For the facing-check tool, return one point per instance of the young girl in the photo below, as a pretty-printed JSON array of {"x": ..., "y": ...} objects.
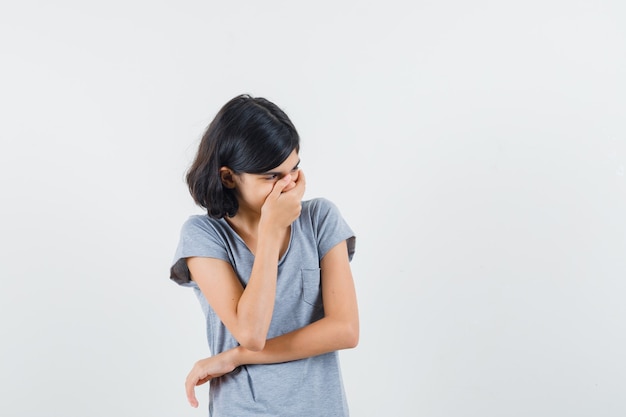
[{"x": 271, "y": 271}]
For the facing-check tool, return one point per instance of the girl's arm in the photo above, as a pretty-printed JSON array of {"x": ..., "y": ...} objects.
[
  {"x": 339, "y": 329},
  {"x": 247, "y": 313}
]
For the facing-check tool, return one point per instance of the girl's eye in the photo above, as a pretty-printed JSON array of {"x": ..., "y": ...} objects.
[{"x": 272, "y": 177}]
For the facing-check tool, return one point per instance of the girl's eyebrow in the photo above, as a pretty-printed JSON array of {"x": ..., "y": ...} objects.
[{"x": 278, "y": 173}]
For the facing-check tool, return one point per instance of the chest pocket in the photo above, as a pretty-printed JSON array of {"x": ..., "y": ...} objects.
[{"x": 311, "y": 286}]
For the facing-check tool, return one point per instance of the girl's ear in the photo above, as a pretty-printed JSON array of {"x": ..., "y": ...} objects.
[{"x": 226, "y": 175}]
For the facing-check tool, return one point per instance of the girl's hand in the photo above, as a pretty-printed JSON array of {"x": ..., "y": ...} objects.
[
  {"x": 206, "y": 369},
  {"x": 284, "y": 204}
]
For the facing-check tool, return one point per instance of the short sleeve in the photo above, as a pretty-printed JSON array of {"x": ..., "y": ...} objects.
[
  {"x": 331, "y": 228},
  {"x": 198, "y": 237}
]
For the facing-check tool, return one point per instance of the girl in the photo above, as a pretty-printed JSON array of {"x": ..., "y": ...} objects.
[{"x": 271, "y": 272}]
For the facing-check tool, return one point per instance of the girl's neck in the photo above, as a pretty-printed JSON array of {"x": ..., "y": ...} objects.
[
  {"x": 244, "y": 223},
  {"x": 247, "y": 229}
]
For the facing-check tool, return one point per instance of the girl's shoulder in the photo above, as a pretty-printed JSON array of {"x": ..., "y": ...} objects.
[
  {"x": 320, "y": 211},
  {"x": 199, "y": 220},
  {"x": 318, "y": 206},
  {"x": 202, "y": 223}
]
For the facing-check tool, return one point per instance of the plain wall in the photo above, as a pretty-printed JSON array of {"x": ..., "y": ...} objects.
[{"x": 478, "y": 149}]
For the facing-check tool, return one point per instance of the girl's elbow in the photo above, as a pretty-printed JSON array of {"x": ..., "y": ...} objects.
[
  {"x": 252, "y": 343},
  {"x": 254, "y": 346},
  {"x": 351, "y": 336},
  {"x": 354, "y": 340}
]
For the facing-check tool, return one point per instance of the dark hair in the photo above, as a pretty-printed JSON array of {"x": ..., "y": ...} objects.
[{"x": 248, "y": 135}]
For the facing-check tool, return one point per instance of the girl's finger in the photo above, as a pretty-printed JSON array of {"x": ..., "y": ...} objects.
[
  {"x": 280, "y": 185},
  {"x": 190, "y": 384}
]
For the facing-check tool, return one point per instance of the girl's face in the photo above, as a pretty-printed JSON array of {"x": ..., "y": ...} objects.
[{"x": 253, "y": 189}]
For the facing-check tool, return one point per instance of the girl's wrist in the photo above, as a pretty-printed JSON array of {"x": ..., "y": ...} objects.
[
  {"x": 235, "y": 356},
  {"x": 269, "y": 230}
]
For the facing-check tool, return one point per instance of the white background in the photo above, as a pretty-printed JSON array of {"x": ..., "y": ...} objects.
[{"x": 478, "y": 149}]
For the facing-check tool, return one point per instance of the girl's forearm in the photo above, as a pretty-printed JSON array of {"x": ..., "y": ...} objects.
[
  {"x": 255, "y": 307},
  {"x": 323, "y": 336}
]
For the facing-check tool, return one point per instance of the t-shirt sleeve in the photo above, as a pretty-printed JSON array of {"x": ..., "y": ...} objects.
[
  {"x": 331, "y": 228},
  {"x": 198, "y": 237}
]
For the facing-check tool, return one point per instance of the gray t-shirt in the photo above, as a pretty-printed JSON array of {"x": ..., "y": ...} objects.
[{"x": 302, "y": 388}]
